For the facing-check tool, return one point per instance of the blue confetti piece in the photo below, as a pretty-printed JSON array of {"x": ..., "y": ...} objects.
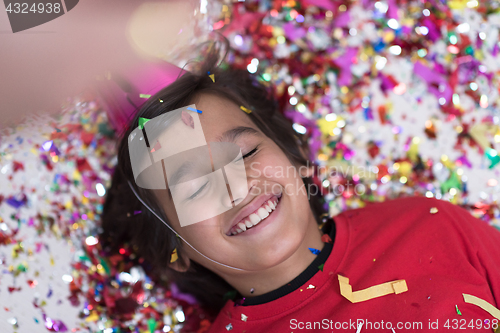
[
  {"x": 15, "y": 203},
  {"x": 195, "y": 110},
  {"x": 314, "y": 251},
  {"x": 378, "y": 46}
]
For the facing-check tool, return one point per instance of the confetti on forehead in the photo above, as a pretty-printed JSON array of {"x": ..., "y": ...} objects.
[
  {"x": 195, "y": 110},
  {"x": 245, "y": 109}
]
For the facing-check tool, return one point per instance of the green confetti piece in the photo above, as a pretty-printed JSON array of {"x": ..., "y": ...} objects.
[
  {"x": 142, "y": 121},
  {"x": 21, "y": 268},
  {"x": 151, "y": 324},
  {"x": 452, "y": 182},
  {"x": 493, "y": 156},
  {"x": 105, "y": 265},
  {"x": 84, "y": 257},
  {"x": 320, "y": 267},
  {"x": 458, "y": 311},
  {"x": 144, "y": 95}
]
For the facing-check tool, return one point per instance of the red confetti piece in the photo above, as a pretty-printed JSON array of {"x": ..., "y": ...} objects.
[{"x": 326, "y": 238}]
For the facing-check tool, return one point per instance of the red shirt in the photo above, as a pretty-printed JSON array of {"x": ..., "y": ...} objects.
[{"x": 440, "y": 256}]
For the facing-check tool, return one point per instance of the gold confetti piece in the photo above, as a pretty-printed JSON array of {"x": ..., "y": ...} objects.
[
  {"x": 482, "y": 304},
  {"x": 174, "y": 257},
  {"x": 212, "y": 76},
  {"x": 393, "y": 287},
  {"x": 434, "y": 210},
  {"x": 243, "y": 317},
  {"x": 310, "y": 286},
  {"x": 92, "y": 317},
  {"x": 481, "y": 132},
  {"x": 245, "y": 109},
  {"x": 52, "y": 263}
]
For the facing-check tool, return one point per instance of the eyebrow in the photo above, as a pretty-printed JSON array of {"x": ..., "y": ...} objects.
[
  {"x": 180, "y": 173},
  {"x": 233, "y": 134}
]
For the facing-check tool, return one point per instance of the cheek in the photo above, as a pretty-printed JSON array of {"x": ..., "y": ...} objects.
[
  {"x": 274, "y": 166},
  {"x": 202, "y": 233}
]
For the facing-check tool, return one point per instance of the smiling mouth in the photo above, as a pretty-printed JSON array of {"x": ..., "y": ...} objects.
[{"x": 256, "y": 217}]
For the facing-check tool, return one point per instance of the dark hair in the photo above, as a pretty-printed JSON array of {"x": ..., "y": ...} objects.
[{"x": 150, "y": 239}]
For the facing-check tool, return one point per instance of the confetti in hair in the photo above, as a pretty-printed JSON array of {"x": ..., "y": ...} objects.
[{"x": 245, "y": 109}]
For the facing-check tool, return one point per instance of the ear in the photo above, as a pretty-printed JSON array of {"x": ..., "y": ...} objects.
[{"x": 181, "y": 264}]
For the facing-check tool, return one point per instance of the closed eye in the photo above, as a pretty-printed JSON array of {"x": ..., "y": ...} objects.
[
  {"x": 250, "y": 153},
  {"x": 198, "y": 192}
]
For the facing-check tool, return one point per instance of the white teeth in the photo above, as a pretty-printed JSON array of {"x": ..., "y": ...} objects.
[
  {"x": 254, "y": 218},
  {"x": 271, "y": 204},
  {"x": 262, "y": 213}
]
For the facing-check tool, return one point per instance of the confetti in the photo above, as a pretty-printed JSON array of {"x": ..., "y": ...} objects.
[
  {"x": 195, "y": 110},
  {"x": 245, "y": 109},
  {"x": 433, "y": 210},
  {"x": 142, "y": 121},
  {"x": 243, "y": 317},
  {"x": 311, "y": 287},
  {"x": 320, "y": 267},
  {"x": 144, "y": 95},
  {"x": 326, "y": 239},
  {"x": 252, "y": 290},
  {"x": 174, "y": 257},
  {"x": 458, "y": 311},
  {"x": 54, "y": 325},
  {"x": 482, "y": 304},
  {"x": 229, "y": 327},
  {"x": 212, "y": 76},
  {"x": 314, "y": 251},
  {"x": 393, "y": 287},
  {"x": 85, "y": 129}
]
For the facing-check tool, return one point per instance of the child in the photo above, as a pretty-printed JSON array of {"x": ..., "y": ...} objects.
[{"x": 418, "y": 255}]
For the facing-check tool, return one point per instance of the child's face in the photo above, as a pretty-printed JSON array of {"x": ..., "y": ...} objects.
[{"x": 271, "y": 179}]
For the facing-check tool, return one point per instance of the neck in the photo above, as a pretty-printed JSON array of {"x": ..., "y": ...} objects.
[{"x": 279, "y": 275}]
